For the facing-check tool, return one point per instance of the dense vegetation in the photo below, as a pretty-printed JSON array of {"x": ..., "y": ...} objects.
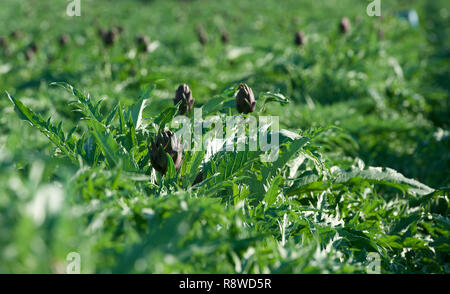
[{"x": 363, "y": 168}]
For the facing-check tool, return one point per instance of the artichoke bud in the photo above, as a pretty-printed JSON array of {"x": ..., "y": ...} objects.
[
  {"x": 344, "y": 25},
  {"x": 201, "y": 34},
  {"x": 300, "y": 39},
  {"x": 29, "y": 54},
  {"x": 380, "y": 34},
  {"x": 110, "y": 37},
  {"x": 16, "y": 34},
  {"x": 143, "y": 43},
  {"x": 184, "y": 94},
  {"x": 64, "y": 40},
  {"x": 165, "y": 142},
  {"x": 34, "y": 47},
  {"x": 225, "y": 37},
  {"x": 120, "y": 29},
  {"x": 245, "y": 100},
  {"x": 3, "y": 42}
]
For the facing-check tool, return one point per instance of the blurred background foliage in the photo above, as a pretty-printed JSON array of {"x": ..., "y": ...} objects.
[{"x": 385, "y": 85}]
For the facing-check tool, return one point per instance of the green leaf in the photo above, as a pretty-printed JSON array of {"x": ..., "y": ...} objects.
[
  {"x": 84, "y": 104},
  {"x": 111, "y": 149},
  {"x": 111, "y": 116},
  {"x": 135, "y": 111},
  {"x": 289, "y": 151},
  {"x": 307, "y": 182},
  {"x": 122, "y": 124},
  {"x": 384, "y": 176},
  {"x": 191, "y": 168},
  {"x": 273, "y": 97},
  {"x": 272, "y": 192},
  {"x": 166, "y": 116},
  {"x": 54, "y": 134},
  {"x": 171, "y": 170},
  {"x": 358, "y": 239},
  {"x": 217, "y": 104}
]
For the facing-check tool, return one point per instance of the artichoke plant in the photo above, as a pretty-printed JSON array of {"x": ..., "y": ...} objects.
[
  {"x": 34, "y": 47},
  {"x": 184, "y": 94},
  {"x": 110, "y": 36},
  {"x": 201, "y": 34},
  {"x": 300, "y": 38},
  {"x": 225, "y": 37},
  {"x": 3, "y": 42},
  {"x": 245, "y": 100},
  {"x": 64, "y": 40},
  {"x": 143, "y": 42},
  {"x": 29, "y": 54},
  {"x": 344, "y": 25},
  {"x": 165, "y": 142},
  {"x": 17, "y": 34}
]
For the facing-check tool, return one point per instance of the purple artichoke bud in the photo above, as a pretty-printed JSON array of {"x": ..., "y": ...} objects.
[
  {"x": 17, "y": 34},
  {"x": 245, "y": 100},
  {"x": 225, "y": 37},
  {"x": 29, "y": 54},
  {"x": 184, "y": 94},
  {"x": 380, "y": 34},
  {"x": 344, "y": 25},
  {"x": 64, "y": 40},
  {"x": 3, "y": 42},
  {"x": 165, "y": 142},
  {"x": 143, "y": 43},
  {"x": 300, "y": 39},
  {"x": 34, "y": 47},
  {"x": 110, "y": 37},
  {"x": 201, "y": 34},
  {"x": 120, "y": 29}
]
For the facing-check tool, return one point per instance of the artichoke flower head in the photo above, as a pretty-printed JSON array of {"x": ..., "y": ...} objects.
[
  {"x": 184, "y": 94},
  {"x": 245, "y": 100},
  {"x": 345, "y": 25},
  {"x": 165, "y": 142}
]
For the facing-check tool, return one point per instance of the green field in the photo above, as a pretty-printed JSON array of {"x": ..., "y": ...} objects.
[{"x": 362, "y": 175}]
